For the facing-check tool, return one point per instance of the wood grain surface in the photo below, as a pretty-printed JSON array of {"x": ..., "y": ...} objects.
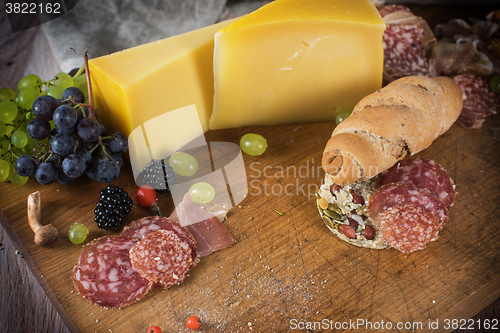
[
  {"x": 281, "y": 267},
  {"x": 290, "y": 267}
]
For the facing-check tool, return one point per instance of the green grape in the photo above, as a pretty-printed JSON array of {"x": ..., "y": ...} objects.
[
  {"x": 63, "y": 80},
  {"x": 81, "y": 82},
  {"x": 341, "y": 116},
  {"x": 253, "y": 144},
  {"x": 4, "y": 170},
  {"x": 19, "y": 139},
  {"x": 9, "y": 129},
  {"x": 7, "y": 94},
  {"x": 8, "y": 111},
  {"x": 15, "y": 178},
  {"x": 55, "y": 91},
  {"x": 495, "y": 83},
  {"x": 27, "y": 96},
  {"x": 29, "y": 115},
  {"x": 29, "y": 81},
  {"x": 202, "y": 192},
  {"x": 78, "y": 233},
  {"x": 4, "y": 146},
  {"x": 52, "y": 125},
  {"x": 3, "y": 128},
  {"x": 183, "y": 164}
]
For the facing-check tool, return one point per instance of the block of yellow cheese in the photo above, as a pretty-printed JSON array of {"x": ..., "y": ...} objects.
[
  {"x": 296, "y": 61},
  {"x": 138, "y": 84}
]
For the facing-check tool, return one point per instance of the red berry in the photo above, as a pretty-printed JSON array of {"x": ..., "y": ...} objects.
[
  {"x": 145, "y": 196},
  {"x": 193, "y": 323},
  {"x": 154, "y": 329}
]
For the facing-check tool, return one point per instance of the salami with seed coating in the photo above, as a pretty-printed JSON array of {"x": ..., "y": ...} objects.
[
  {"x": 143, "y": 227},
  {"x": 393, "y": 195},
  {"x": 408, "y": 228},
  {"x": 425, "y": 173},
  {"x": 162, "y": 257},
  {"x": 104, "y": 273}
]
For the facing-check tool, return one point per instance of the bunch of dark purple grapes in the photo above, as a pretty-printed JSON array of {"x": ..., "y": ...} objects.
[{"x": 78, "y": 143}]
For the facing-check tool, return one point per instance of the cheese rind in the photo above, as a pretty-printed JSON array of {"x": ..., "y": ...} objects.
[
  {"x": 135, "y": 85},
  {"x": 296, "y": 61}
]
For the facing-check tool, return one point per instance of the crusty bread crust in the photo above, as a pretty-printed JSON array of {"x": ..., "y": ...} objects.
[{"x": 401, "y": 119}]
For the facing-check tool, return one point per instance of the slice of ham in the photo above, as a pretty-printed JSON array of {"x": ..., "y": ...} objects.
[{"x": 209, "y": 233}]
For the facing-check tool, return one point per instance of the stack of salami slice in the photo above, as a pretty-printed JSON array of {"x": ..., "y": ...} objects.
[
  {"x": 411, "y": 203},
  {"x": 115, "y": 271}
]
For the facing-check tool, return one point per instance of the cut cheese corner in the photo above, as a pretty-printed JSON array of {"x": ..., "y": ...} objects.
[{"x": 296, "y": 61}]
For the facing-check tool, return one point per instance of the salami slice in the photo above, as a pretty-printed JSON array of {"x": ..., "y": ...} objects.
[
  {"x": 479, "y": 100},
  {"x": 392, "y": 9},
  {"x": 408, "y": 228},
  {"x": 393, "y": 195},
  {"x": 104, "y": 273},
  {"x": 425, "y": 173},
  {"x": 143, "y": 227},
  {"x": 162, "y": 257},
  {"x": 404, "y": 51}
]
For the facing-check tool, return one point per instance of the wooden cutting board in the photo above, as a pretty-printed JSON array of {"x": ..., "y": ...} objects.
[{"x": 285, "y": 271}]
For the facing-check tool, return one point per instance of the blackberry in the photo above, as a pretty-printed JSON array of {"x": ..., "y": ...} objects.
[
  {"x": 158, "y": 175},
  {"x": 112, "y": 208}
]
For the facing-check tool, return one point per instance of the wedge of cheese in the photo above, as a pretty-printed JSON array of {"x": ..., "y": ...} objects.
[
  {"x": 138, "y": 84},
  {"x": 296, "y": 61}
]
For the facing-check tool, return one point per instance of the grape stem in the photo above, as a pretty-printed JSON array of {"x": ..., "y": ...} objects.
[
  {"x": 89, "y": 86},
  {"x": 80, "y": 71}
]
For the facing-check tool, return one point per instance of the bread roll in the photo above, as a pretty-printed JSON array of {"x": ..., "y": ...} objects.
[{"x": 401, "y": 119}]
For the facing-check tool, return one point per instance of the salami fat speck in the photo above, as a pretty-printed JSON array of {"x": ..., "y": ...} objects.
[
  {"x": 479, "y": 100},
  {"x": 393, "y": 195},
  {"x": 143, "y": 227},
  {"x": 162, "y": 257},
  {"x": 425, "y": 173},
  {"x": 408, "y": 228},
  {"x": 104, "y": 273}
]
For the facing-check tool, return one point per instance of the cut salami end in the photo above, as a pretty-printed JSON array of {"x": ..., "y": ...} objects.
[
  {"x": 104, "y": 273},
  {"x": 143, "y": 227},
  {"x": 162, "y": 257},
  {"x": 425, "y": 173},
  {"x": 408, "y": 228},
  {"x": 393, "y": 195}
]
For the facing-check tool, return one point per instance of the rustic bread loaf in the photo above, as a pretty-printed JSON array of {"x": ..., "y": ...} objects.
[{"x": 401, "y": 119}]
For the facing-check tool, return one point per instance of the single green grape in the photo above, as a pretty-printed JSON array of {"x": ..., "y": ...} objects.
[
  {"x": 340, "y": 117},
  {"x": 4, "y": 170},
  {"x": 55, "y": 91},
  {"x": 78, "y": 233},
  {"x": 495, "y": 83},
  {"x": 183, "y": 164},
  {"x": 19, "y": 139},
  {"x": 7, "y": 94},
  {"x": 29, "y": 81},
  {"x": 8, "y": 111},
  {"x": 63, "y": 80},
  {"x": 4, "y": 146},
  {"x": 202, "y": 192},
  {"x": 29, "y": 115},
  {"x": 27, "y": 96},
  {"x": 15, "y": 178},
  {"x": 81, "y": 82},
  {"x": 3, "y": 128},
  {"x": 253, "y": 144}
]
